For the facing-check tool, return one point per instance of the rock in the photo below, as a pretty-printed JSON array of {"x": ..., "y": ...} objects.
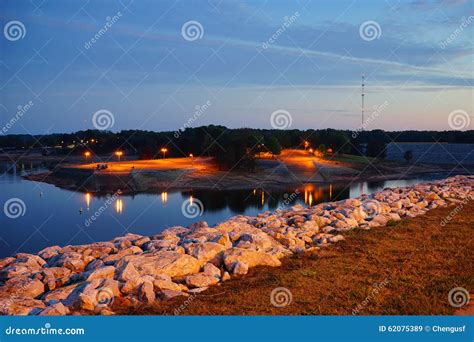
[
  {"x": 49, "y": 252},
  {"x": 126, "y": 271},
  {"x": 71, "y": 260},
  {"x": 132, "y": 285},
  {"x": 106, "y": 312},
  {"x": 225, "y": 276},
  {"x": 55, "y": 276},
  {"x": 201, "y": 280},
  {"x": 256, "y": 241},
  {"x": 174, "y": 264},
  {"x": 57, "y": 309},
  {"x": 169, "y": 294},
  {"x": 101, "y": 273},
  {"x": 208, "y": 251},
  {"x": 141, "y": 241},
  {"x": 197, "y": 290},
  {"x": 166, "y": 285},
  {"x": 20, "y": 306},
  {"x": 22, "y": 287},
  {"x": 94, "y": 264},
  {"x": 380, "y": 220},
  {"x": 89, "y": 295},
  {"x": 250, "y": 257},
  {"x": 240, "y": 268},
  {"x": 13, "y": 270},
  {"x": 146, "y": 293},
  {"x": 59, "y": 294},
  {"x": 29, "y": 260},
  {"x": 112, "y": 258},
  {"x": 211, "y": 270},
  {"x": 336, "y": 238},
  {"x": 6, "y": 261}
]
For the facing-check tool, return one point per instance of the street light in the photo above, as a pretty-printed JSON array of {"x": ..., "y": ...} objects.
[
  {"x": 164, "y": 150},
  {"x": 192, "y": 158},
  {"x": 306, "y": 144},
  {"x": 87, "y": 154},
  {"x": 119, "y": 154}
]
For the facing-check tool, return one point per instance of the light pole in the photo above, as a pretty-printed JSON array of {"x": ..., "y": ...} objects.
[
  {"x": 164, "y": 150},
  {"x": 87, "y": 155},
  {"x": 119, "y": 154}
]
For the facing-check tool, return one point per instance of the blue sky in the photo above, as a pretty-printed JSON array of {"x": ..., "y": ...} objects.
[{"x": 142, "y": 69}]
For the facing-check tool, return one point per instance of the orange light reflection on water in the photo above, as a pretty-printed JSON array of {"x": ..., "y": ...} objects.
[
  {"x": 119, "y": 206},
  {"x": 164, "y": 197}
]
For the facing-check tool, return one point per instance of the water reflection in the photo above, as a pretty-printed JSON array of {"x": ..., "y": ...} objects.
[
  {"x": 147, "y": 213},
  {"x": 164, "y": 197},
  {"x": 88, "y": 200},
  {"x": 119, "y": 206}
]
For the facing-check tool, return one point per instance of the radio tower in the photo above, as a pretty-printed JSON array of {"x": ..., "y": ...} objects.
[{"x": 362, "y": 95}]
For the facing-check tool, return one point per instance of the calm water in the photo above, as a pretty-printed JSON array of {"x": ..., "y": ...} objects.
[{"x": 53, "y": 216}]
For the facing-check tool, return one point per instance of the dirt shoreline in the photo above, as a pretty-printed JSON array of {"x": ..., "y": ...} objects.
[{"x": 292, "y": 168}]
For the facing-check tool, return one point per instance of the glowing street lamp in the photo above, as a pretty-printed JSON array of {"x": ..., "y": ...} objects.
[
  {"x": 192, "y": 158},
  {"x": 87, "y": 154},
  {"x": 306, "y": 144},
  {"x": 119, "y": 154},
  {"x": 311, "y": 151},
  {"x": 164, "y": 150}
]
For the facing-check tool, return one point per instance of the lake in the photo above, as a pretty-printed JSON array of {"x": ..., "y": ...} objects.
[{"x": 48, "y": 215}]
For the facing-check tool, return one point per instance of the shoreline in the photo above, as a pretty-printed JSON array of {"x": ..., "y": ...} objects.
[
  {"x": 110, "y": 183},
  {"x": 291, "y": 168},
  {"x": 184, "y": 261}
]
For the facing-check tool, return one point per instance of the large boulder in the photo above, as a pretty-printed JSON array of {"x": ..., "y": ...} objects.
[
  {"x": 173, "y": 264},
  {"x": 22, "y": 287},
  {"x": 201, "y": 280},
  {"x": 56, "y": 309},
  {"x": 250, "y": 257},
  {"x": 20, "y": 306},
  {"x": 207, "y": 251}
]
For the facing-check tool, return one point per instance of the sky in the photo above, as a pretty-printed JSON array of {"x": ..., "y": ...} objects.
[{"x": 161, "y": 65}]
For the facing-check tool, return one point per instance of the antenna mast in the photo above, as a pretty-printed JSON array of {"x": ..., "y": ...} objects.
[{"x": 362, "y": 95}]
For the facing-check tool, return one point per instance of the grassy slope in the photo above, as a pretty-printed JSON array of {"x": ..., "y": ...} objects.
[{"x": 421, "y": 260}]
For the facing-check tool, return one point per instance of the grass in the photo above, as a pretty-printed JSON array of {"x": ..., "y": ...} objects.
[{"x": 407, "y": 268}]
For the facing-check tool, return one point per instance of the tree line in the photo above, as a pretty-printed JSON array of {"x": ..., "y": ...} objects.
[{"x": 235, "y": 148}]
